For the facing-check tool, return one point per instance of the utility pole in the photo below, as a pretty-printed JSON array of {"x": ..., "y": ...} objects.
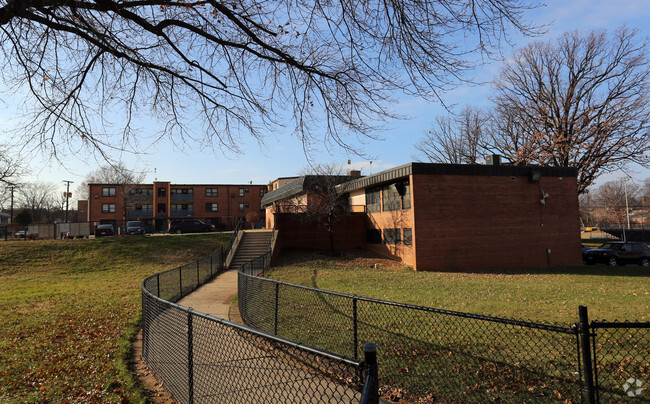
[
  {"x": 67, "y": 195},
  {"x": 11, "y": 217}
]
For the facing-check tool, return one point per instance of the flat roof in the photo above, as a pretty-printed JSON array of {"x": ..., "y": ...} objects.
[{"x": 453, "y": 169}]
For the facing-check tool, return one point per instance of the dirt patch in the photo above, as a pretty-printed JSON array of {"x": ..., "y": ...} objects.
[
  {"x": 154, "y": 390},
  {"x": 348, "y": 259}
]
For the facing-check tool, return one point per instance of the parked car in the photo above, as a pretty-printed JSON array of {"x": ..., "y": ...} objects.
[
  {"x": 104, "y": 230},
  {"x": 618, "y": 253},
  {"x": 134, "y": 227},
  {"x": 189, "y": 226},
  {"x": 21, "y": 233}
]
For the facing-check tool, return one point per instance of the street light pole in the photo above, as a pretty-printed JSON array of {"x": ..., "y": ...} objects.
[
  {"x": 67, "y": 195},
  {"x": 627, "y": 210}
]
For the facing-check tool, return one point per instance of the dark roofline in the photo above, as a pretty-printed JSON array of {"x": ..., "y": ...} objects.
[
  {"x": 299, "y": 185},
  {"x": 453, "y": 169}
]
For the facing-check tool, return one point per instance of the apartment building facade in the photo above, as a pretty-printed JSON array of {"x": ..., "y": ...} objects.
[{"x": 156, "y": 204}]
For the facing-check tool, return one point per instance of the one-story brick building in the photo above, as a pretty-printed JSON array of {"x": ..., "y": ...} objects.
[{"x": 446, "y": 217}]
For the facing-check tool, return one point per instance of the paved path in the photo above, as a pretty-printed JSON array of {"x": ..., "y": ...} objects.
[{"x": 215, "y": 296}]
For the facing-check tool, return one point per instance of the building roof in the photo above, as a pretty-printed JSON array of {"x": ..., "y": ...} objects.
[
  {"x": 453, "y": 169},
  {"x": 301, "y": 185}
]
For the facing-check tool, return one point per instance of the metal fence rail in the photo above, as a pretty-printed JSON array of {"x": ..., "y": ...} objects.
[
  {"x": 449, "y": 356},
  {"x": 204, "y": 359}
]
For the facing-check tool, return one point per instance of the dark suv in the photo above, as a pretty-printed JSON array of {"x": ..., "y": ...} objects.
[
  {"x": 189, "y": 226},
  {"x": 618, "y": 253}
]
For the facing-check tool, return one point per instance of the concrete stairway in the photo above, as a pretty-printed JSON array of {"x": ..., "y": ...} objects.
[{"x": 252, "y": 245}]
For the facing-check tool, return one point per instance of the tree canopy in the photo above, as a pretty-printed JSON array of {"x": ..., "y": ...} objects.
[
  {"x": 94, "y": 67},
  {"x": 580, "y": 101}
]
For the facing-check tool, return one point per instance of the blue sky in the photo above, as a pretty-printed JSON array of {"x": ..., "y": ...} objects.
[{"x": 282, "y": 154}]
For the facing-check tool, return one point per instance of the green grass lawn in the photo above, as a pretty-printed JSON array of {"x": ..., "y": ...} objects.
[
  {"x": 69, "y": 309},
  {"x": 456, "y": 359},
  {"x": 621, "y": 293}
]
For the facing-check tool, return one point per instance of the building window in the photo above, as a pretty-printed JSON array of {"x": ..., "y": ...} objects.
[
  {"x": 141, "y": 191},
  {"x": 211, "y": 207},
  {"x": 392, "y": 236},
  {"x": 262, "y": 191},
  {"x": 182, "y": 191},
  {"x": 241, "y": 191},
  {"x": 148, "y": 207},
  {"x": 181, "y": 206},
  {"x": 162, "y": 192},
  {"x": 396, "y": 196},
  {"x": 108, "y": 207},
  {"x": 407, "y": 236},
  {"x": 241, "y": 207},
  {"x": 373, "y": 202},
  {"x": 162, "y": 207},
  {"x": 138, "y": 207},
  {"x": 373, "y": 236},
  {"x": 212, "y": 192},
  {"x": 108, "y": 191}
]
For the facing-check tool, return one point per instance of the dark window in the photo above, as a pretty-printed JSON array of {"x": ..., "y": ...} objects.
[
  {"x": 212, "y": 192},
  {"x": 241, "y": 207},
  {"x": 241, "y": 191},
  {"x": 373, "y": 203},
  {"x": 262, "y": 191},
  {"x": 108, "y": 208},
  {"x": 373, "y": 236},
  {"x": 211, "y": 207},
  {"x": 138, "y": 207},
  {"x": 106, "y": 191},
  {"x": 162, "y": 192},
  {"x": 408, "y": 236},
  {"x": 184, "y": 191},
  {"x": 392, "y": 236},
  {"x": 396, "y": 196},
  {"x": 162, "y": 208}
]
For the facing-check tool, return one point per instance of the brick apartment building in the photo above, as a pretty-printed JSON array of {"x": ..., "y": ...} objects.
[
  {"x": 155, "y": 205},
  {"x": 438, "y": 217}
]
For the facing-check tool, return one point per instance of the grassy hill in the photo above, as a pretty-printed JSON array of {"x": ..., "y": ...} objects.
[{"x": 69, "y": 309}]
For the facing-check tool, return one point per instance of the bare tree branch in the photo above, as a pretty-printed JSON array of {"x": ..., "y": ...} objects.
[{"x": 327, "y": 69}]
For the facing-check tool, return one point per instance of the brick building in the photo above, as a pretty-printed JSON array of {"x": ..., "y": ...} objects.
[
  {"x": 438, "y": 217},
  {"x": 219, "y": 204}
]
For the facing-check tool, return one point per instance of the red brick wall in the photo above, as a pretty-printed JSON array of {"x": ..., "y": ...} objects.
[
  {"x": 349, "y": 232},
  {"x": 477, "y": 223}
]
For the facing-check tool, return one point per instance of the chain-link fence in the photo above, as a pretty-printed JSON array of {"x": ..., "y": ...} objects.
[
  {"x": 622, "y": 361},
  {"x": 440, "y": 355},
  {"x": 203, "y": 359}
]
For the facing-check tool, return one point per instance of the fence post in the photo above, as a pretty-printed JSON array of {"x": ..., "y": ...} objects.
[
  {"x": 371, "y": 388},
  {"x": 277, "y": 296},
  {"x": 198, "y": 273},
  {"x": 158, "y": 283},
  {"x": 354, "y": 327},
  {"x": 190, "y": 359},
  {"x": 180, "y": 279},
  {"x": 585, "y": 350}
]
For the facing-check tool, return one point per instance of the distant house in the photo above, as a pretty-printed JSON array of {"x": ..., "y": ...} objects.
[{"x": 445, "y": 217}]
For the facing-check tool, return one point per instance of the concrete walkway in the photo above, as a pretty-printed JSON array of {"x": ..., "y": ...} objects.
[{"x": 214, "y": 297}]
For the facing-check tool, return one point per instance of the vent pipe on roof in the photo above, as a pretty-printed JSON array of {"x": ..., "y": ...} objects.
[{"x": 493, "y": 160}]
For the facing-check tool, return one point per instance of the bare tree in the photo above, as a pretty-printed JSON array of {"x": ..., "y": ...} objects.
[
  {"x": 237, "y": 67},
  {"x": 579, "y": 102},
  {"x": 611, "y": 197},
  {"x": 456, "y": 140},
  {"x": 38, "y": 198}
]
